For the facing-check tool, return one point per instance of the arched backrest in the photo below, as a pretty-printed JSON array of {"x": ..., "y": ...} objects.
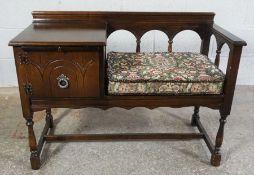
[{"x": 137, "y": 23}]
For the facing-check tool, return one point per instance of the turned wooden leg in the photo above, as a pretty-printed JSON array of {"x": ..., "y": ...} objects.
[
  {"x": 216, "y": 155},
  {"x": 35, "y": 157},
  {"x": 49, "y": 118},
  {"x": 195, "y": 116}
]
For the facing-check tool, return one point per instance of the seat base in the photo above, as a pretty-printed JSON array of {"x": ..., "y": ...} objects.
[{"x": 49, "y": 136}]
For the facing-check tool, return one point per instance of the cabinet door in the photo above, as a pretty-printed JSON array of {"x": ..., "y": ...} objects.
[{"x": 63, "y": 74}]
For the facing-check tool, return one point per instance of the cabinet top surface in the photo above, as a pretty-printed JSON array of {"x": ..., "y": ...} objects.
[{"x": 40, "y": 36}]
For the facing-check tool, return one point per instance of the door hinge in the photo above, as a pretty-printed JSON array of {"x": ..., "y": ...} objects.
[
  {"x": 28, "y": 89},
  {"x": 23, "y": 58}
]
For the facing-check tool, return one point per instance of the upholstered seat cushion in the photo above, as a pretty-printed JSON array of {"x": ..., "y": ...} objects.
[{"x": 162, "y": 73}]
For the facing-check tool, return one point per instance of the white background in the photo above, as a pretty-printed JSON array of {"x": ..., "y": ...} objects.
[{"x": 237, "y": 16}]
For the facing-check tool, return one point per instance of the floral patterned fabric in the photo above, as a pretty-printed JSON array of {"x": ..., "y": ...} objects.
[{"x": 162, "y": 73}]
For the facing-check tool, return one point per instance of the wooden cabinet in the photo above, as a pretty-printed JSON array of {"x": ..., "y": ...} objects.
[{"x": 62, "y": 73}]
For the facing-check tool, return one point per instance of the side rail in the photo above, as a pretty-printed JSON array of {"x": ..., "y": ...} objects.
[{"x": 235, "y": 45}]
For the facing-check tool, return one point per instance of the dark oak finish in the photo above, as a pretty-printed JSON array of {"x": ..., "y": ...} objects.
[
  {"x": 128, "y": 102},
  {"x": 60, "y": 62},
  {"x": 123, "y": 136},
  {"x": 55, "y": 36},
  {"x": 81, "y": 68}
]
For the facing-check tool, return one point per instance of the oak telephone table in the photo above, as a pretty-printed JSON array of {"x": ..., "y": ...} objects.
[{"x": 61, "y": 62}]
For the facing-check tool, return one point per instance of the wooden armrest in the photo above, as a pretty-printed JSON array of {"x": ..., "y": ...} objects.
[
  {"x": 235, "y": 45},
  {"x": 227, "y": 37}
]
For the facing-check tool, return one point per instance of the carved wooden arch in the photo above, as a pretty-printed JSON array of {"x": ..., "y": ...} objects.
[
  {"x": 220, "y": 43},
  {"x": 173, "y": 35},
  {"x": 164, "y": 32},
  {"x": 169, "y": 33},
  {"x": 137, "y": 33},
  {"x": 133, "y": 34}
]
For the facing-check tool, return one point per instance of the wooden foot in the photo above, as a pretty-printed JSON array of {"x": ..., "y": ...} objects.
[
  {"x": 215, "y": 159},
  {"x": 195, "y": 116},
  {"x": 49, "y": 118},
  {"x": 35, "y": 160},
  {"x": 216, "y": 155}
]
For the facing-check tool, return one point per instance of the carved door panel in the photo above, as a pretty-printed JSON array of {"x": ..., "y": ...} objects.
[{"x": 63, "y": 74}]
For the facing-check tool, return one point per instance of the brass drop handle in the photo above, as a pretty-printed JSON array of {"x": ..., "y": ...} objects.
[{"x": 63, "y": 81}]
